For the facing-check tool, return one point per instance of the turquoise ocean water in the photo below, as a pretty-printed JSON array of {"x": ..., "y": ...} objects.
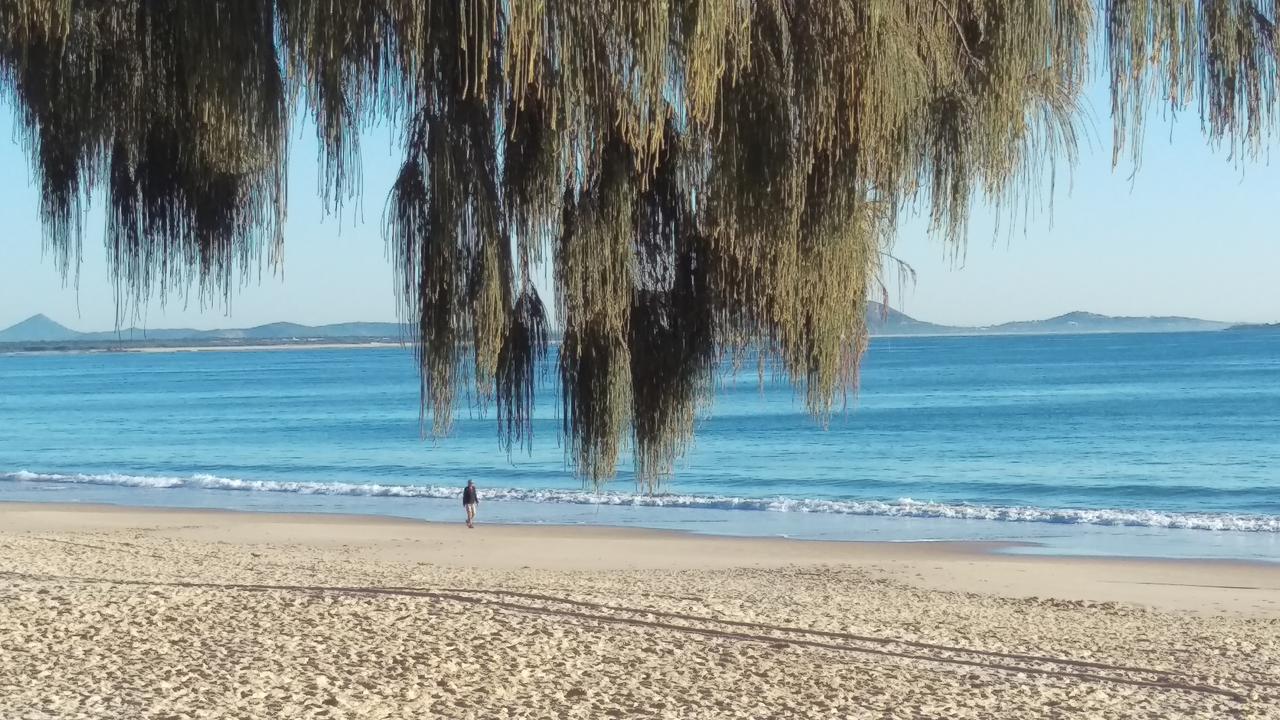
[{"x": 1161, "y": 445}]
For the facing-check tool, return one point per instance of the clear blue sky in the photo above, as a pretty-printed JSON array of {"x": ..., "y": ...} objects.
[{"x": 1190, "y": 235}]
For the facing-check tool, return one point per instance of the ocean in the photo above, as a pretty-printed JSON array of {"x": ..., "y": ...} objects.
[{"x": 1163, "y": 445}]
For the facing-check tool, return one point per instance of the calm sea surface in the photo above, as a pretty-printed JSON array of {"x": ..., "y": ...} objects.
[{"x": 1163, "y": 445}]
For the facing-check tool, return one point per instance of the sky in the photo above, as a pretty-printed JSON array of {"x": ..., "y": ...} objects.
[{"x": 1189, "y": 234}]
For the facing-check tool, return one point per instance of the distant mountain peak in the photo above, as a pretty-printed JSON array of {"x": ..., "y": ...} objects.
[
  {"x": 40, "y": 319},
  {"x": 37, "y": 328}
]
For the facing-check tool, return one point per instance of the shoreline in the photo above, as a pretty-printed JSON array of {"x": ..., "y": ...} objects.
[
  {"x": 1041, "y": 531},
  {"x": 985, "y": 549},
  {"x": 975, "y": 548}
]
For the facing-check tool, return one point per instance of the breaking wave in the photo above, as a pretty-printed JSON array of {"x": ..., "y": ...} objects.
[{"x": 905, "y": 507}]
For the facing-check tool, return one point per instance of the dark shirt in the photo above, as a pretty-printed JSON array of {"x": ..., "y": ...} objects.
[{"x": 469, "y": 495}]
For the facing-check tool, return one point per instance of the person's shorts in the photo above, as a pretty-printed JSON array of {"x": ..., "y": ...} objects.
[{"x": 469, "y": 506}]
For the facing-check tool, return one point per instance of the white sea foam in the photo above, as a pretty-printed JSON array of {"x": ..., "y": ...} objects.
[{"x": 903, "y": 507}]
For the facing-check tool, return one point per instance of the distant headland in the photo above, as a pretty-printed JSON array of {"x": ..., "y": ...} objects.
[{"x": 1265, "y": 327}]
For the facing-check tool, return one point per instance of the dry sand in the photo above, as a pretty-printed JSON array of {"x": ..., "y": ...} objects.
[{"x": 126, "y": 613}]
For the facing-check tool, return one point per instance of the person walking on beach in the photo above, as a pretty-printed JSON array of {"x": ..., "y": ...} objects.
[{"x": 470, "y": 498}]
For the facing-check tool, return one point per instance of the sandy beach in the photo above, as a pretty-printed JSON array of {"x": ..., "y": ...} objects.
[{"x": 127, "y": 613}]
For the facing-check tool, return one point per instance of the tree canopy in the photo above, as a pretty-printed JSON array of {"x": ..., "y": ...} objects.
[{"x": 704, "y": 177}]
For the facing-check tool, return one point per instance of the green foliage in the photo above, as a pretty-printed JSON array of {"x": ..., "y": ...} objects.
[{"x": 709, "y": 178}]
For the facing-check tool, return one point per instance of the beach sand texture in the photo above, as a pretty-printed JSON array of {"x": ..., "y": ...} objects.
[{"x": 124, "y": 613}]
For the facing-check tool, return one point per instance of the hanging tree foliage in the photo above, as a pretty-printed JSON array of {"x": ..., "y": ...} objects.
[{"x": 704, "y": 177}]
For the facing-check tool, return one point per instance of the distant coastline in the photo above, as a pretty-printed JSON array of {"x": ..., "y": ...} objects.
[
  {"x": 1263, "y": 327},
  {"x": 84, "y": 348},
  {"x": 42, "y": 335}
]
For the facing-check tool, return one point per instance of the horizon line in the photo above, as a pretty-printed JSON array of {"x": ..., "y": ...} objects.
[{"x": 872, "y": 304}]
